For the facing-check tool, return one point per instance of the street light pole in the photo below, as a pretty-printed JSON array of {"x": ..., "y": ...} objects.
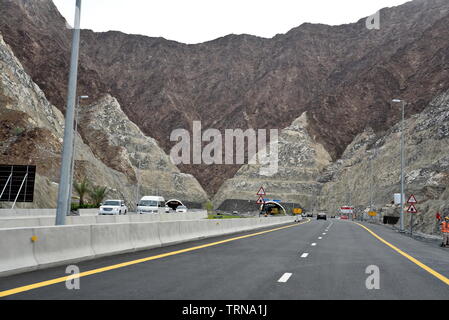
[
  {"x": 402, "y": 164},
  {"x": 72, "y": 168},
  {"x": 67, "y": 149}
]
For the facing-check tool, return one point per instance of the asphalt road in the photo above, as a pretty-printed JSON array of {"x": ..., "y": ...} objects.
[{"x": 315, "y": 260}]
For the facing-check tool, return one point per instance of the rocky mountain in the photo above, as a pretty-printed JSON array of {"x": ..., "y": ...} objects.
[
  {"x": 300, "y": 162},
  {"x": 370, "y": 168},
  {"x": 122, "y": 146},
  {"x": 31, "y": 131},
  {"x": 344, "y": 77}
]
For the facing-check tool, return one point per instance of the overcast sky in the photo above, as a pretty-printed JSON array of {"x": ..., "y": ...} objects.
[{"x": 194, "y": 21}]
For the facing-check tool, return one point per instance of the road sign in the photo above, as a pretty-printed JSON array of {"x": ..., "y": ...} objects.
[
  {"x": 261, "y": 192},
  {"x": 412, "y": 200},
  {"x": 397, "y": 198},
  {"x": 260, "y": 200},
  {"x": 347, "y": 210},
  {"x": 372, "y": 213},
  {"x": 412, "y": 209},
  {"x": 297, "y": 210}
]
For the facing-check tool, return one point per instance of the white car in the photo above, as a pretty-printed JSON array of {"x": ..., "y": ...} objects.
[
  {"x": 113, "y": 207},
  {"x": 181, "y": 209}
]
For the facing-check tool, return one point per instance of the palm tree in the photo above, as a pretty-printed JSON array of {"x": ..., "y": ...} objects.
[
  {"x": 97, "y": 194},
  {"x": 82, "y": 188}
]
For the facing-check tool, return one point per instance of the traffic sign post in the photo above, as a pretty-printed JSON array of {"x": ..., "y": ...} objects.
[
  {"x": 261, "y": 192},
  {"x": 412, "y": 210},
  {"x": 412, "y": 200}
]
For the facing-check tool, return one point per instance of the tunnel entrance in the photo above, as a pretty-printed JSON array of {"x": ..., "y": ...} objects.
[
  {"x": 173, "y": 204},
  {"x": 272, "y": 208}
]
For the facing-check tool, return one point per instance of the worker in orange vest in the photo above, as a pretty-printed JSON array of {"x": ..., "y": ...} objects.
[{"x": 445, "y": 231}]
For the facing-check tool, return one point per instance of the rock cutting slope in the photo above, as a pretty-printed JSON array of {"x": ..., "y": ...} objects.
[
  {"x": 31, "y": 131},
  {"x": 375, "y": 160},
  {"x": 301, "y": 160}
]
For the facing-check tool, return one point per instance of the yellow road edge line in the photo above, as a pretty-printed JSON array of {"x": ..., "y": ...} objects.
[
  {"x": 409, "y": 257},
  {"x": 133, "y": 262}
]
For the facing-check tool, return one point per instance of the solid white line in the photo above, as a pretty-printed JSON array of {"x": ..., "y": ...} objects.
[
  {"x": 313, "y": 244},
  {"x": 304, "y": 255},
  {"x": 285, "y": 277}
]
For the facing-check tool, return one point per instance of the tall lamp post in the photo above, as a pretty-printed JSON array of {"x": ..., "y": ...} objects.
[
  {"x": 72, "y": 168},
  {"x": 67, "y": 149},
  {"x": 402, "y": 102}
]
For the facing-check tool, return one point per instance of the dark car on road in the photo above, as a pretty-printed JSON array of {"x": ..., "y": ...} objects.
[{"x": 322, "y": 216}]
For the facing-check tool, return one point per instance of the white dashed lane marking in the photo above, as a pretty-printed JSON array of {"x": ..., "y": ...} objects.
[
  {"x": 304, "y": 255},
  {"x": 285, "y": 277},
  {"x": 313, "y": 244}
]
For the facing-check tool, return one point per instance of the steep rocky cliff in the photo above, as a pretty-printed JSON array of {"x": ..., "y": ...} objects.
[
  {"x": 300, "y": 161},
  {"x": 121, "y": 145},
  {"x": 31, "y": 131},
  {"x": 343, "y": 76},
  {"x": 375, "y": 160}
]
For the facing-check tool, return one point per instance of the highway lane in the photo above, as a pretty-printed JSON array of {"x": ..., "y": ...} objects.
[{"x": 316, "y": 260}]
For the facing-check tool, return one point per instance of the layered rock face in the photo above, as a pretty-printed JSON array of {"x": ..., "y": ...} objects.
[
  {"x": 31, "y": 131},
  {"x": 121, "y": 145},
  {"x": 343, "y": 76},
  {"x": 300, "y": 161},
  {"x": 373, "y": 160}
]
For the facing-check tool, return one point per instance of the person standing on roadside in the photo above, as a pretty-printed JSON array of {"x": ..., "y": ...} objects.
[{"x": 445, "y": 232}]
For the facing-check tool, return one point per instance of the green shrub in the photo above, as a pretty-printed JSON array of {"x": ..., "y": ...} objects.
[{"x": 208, "y": 205}]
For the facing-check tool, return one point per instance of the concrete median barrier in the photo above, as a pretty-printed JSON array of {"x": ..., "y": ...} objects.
[
  {"x": 16, "y": 251},
  {"x": 15, "y": 213},
  {"x": 58, "y": 245},
  {"x": 191, "y": 230},
  {"x": 136, "y": 218},
  {"x": 105, "y": 219},
  {"x": 121, "y": 219},
  {"x": 62, "y": 243},
  {"x": 19, "y": 222},
  {"x": 169, "y": 232},
  {"x": 145, "y": 235},
  {"x": 81, "y": 220},
  {"x": 150, "y": 217},
  {"x": 216, "y": 227},
  {"x": 111, "y": 238},
  {"x": 31, "y": 221},
  {"x": 47, "y": 221},
  {"x": 88, "y": 212}
]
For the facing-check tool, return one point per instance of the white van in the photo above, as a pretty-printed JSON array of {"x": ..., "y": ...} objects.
[{"x": 151, "y": 204}]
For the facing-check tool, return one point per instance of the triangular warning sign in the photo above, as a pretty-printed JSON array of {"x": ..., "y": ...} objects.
[
  {"x": 260, "y": 200},
  {"x": 412, "y": 209},
  {"x": 261, "y": 192},
  {"x": 412, "y": 200}
]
